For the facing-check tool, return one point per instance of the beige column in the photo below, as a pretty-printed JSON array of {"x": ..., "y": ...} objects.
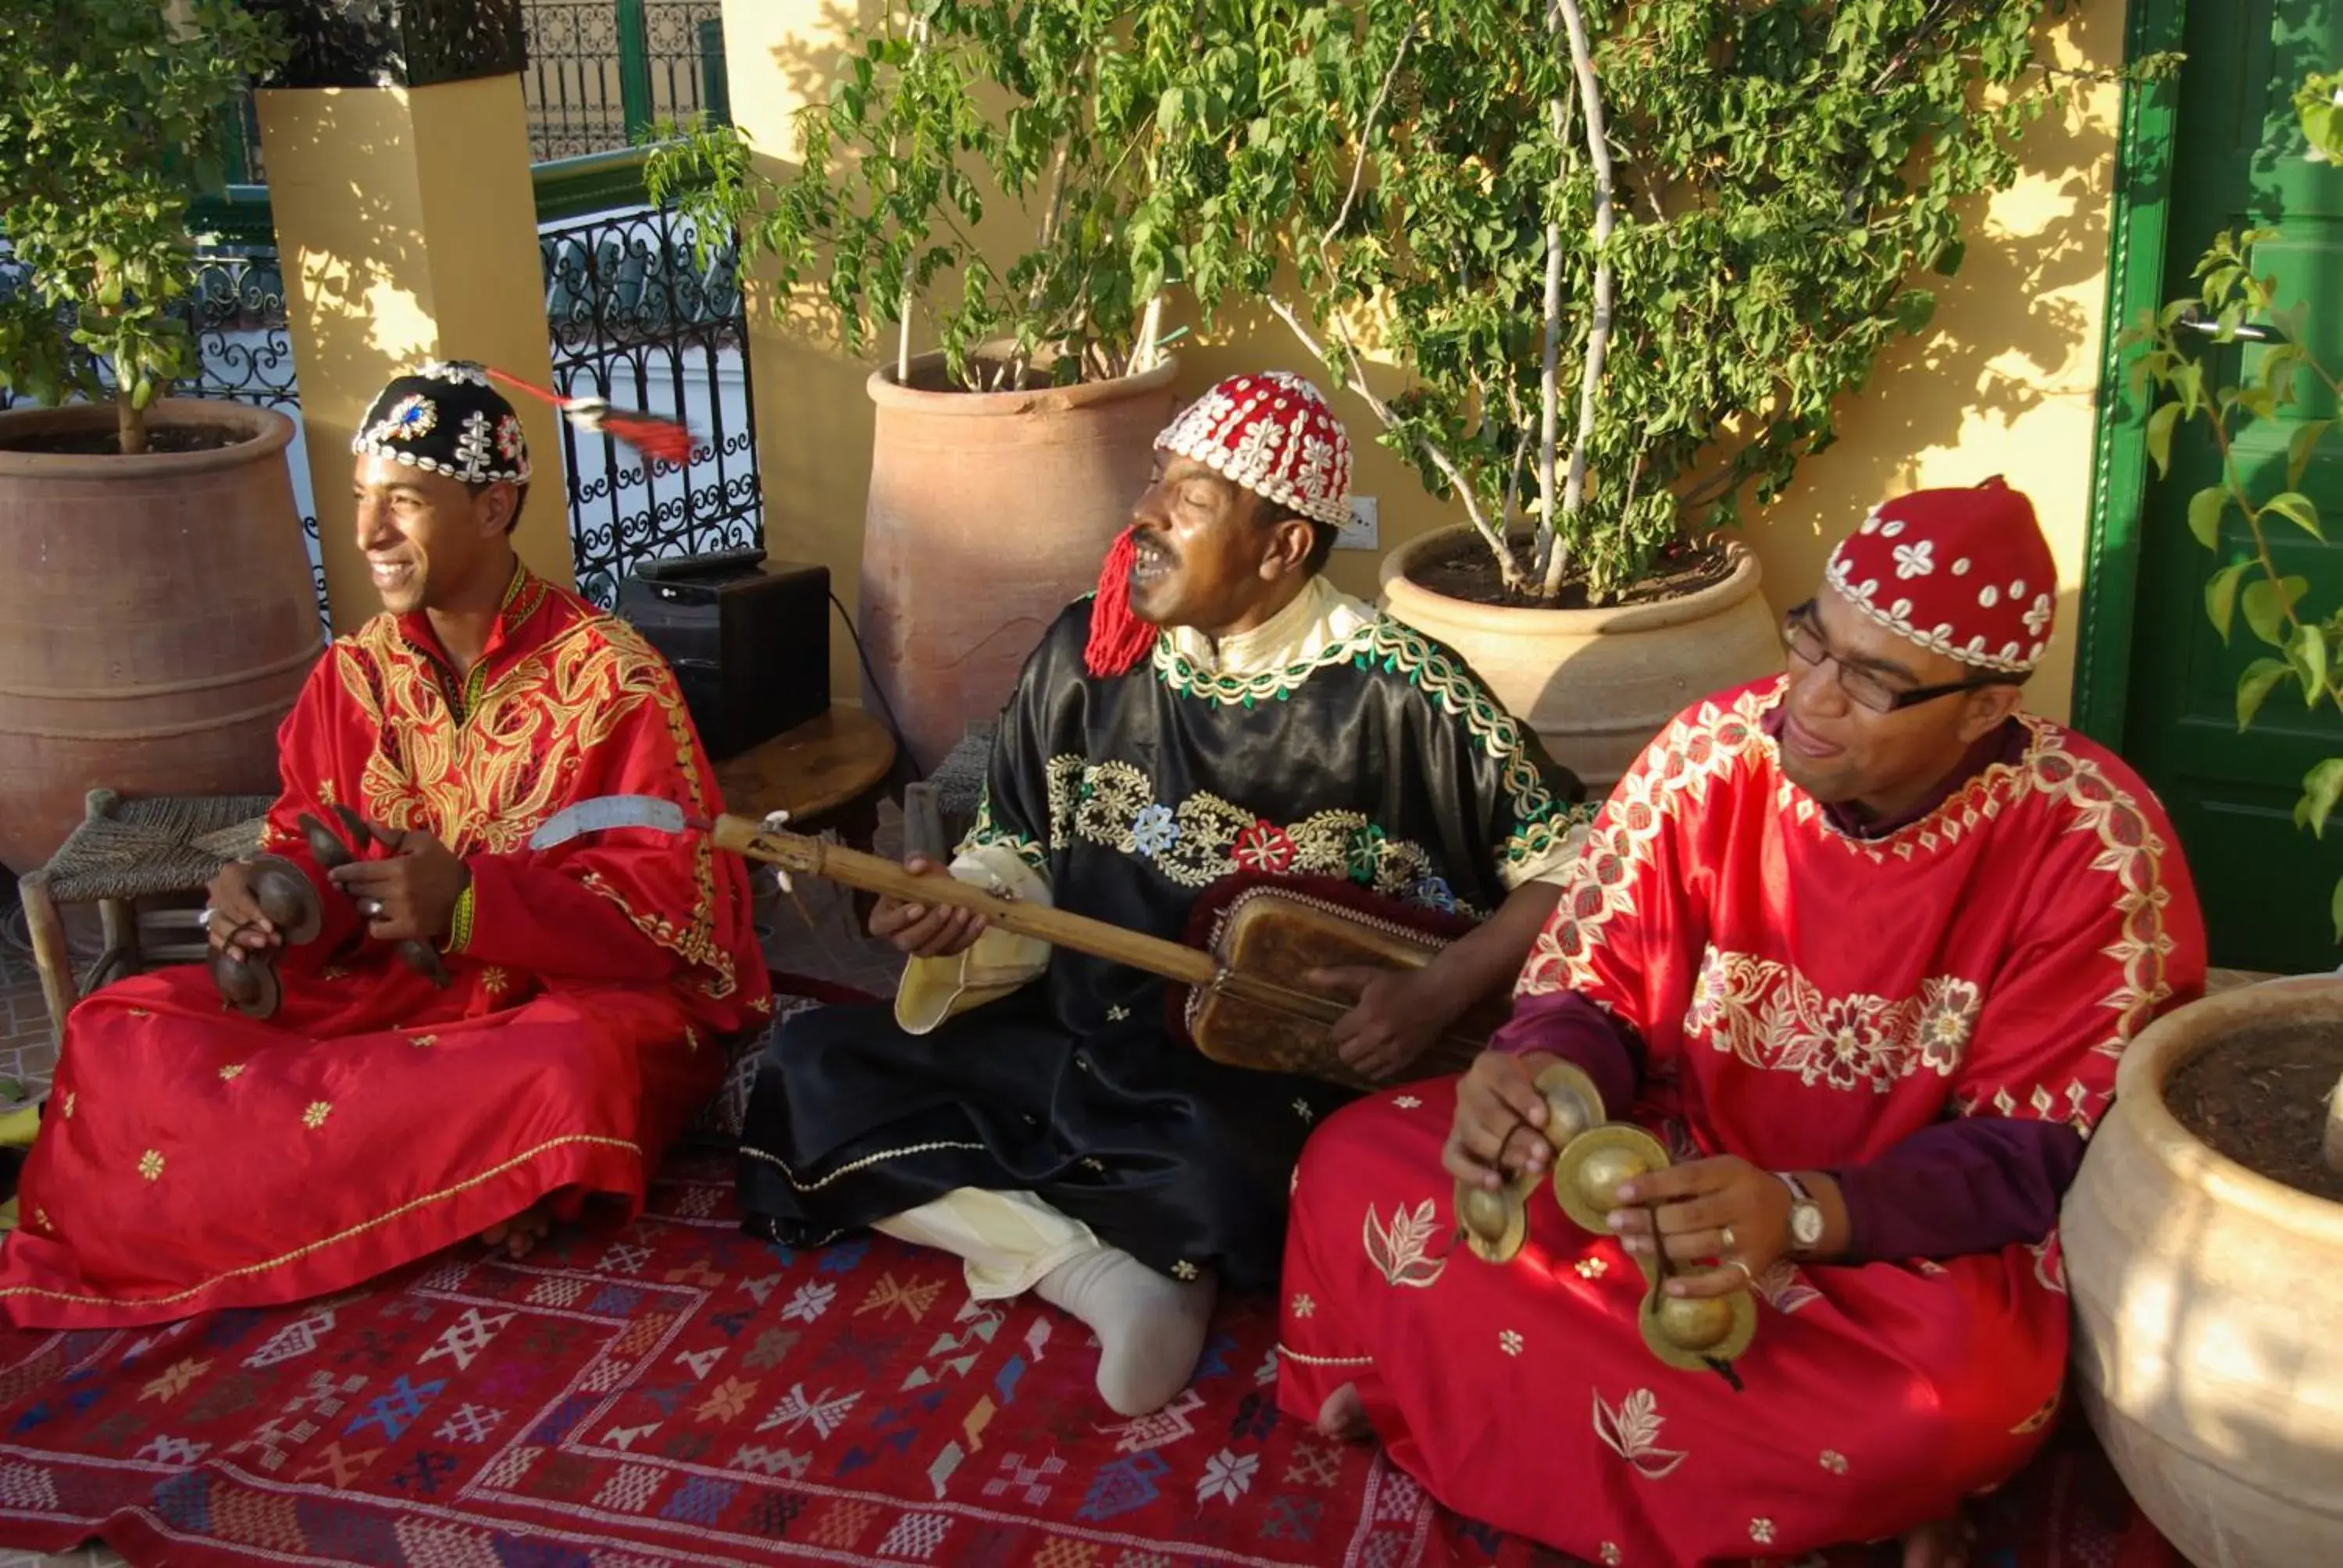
[
  {"x": 813, "y": 418},
  {"x": 407, "y": 224}
]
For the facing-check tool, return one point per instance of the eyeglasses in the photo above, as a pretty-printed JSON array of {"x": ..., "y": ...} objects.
[{"x": 1865, "y": 686}]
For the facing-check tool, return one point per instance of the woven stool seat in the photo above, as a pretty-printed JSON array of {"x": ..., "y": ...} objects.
[
  {"x": 139, "y": 848},
  {"x": 123, "y": 851}
]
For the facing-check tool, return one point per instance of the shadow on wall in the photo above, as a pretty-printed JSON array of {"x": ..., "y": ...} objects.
[
  {"x": 2004, "y": 379},
  {"x": 358, "y": 300}
]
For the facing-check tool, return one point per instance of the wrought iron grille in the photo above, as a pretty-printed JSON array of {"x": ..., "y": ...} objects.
[
  {"x": 635, "y": 319},
  {"x": 235, "y": 311},
  {"x": 601, "y": 72}
]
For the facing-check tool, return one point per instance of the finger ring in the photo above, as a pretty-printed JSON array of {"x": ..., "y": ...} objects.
[
  {"x": 207, "y": 916},
  {"x": 1745, "y": 1272},
  {"x": 1724, "y": 1234},
  {"x": 371, "y": 908}
]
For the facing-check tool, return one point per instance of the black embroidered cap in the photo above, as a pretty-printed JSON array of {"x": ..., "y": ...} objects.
[{"x": 447, "y": 418}]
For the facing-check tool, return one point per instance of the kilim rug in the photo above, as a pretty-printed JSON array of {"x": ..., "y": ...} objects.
[{"x": 671, "y": 1391}]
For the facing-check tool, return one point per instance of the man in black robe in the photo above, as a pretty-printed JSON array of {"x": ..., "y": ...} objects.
[{"x": 1217, "y": 708}]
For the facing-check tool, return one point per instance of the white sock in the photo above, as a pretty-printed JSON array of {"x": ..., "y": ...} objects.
[{"x": 1151, "y": 1327}]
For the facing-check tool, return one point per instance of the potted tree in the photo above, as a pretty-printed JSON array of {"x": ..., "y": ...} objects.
[
  {"x": 1630, "y": 257},
  {"x": 2206, "y": 1224},
  {"x": 157, "y": 616},
  {"x": 1006, "y": 455}
]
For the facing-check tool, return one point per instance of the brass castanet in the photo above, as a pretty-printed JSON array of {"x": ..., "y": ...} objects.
[
  {"x": 330, "y": 851},
  {"x": 1693, "y": 1333},
  {"x": 250, "y": 984}
]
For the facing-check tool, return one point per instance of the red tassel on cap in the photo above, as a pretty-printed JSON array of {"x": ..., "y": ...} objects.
[
  {"x": 661, "y": 440},
  {"x": 1119, "y": 639}
]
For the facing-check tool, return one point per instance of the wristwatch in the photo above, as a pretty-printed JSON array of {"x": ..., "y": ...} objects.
[{"x": 1805, "y": 1214}]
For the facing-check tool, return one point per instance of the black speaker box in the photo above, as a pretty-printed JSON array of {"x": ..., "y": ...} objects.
[{"x": 748, "y": 639}]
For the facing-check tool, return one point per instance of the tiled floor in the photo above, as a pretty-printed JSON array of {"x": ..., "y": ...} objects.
[{"x": 25, "y": 1051}]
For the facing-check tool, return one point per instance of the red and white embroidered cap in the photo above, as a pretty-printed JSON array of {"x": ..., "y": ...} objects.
[
  {"x": 1966, "y": 573},
  {"x": 1273, "y": 433}
]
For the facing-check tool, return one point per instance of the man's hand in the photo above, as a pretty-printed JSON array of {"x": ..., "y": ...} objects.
[
  {"x": 1394, "y": 1015},
  {"x": 1500, "y": 1118},
  {"x": 1720, "y": 1208},
  {"x": 413, "y": 893},
  {"x": 234, "y": 924},
  {"x": 926, "y": 930}
]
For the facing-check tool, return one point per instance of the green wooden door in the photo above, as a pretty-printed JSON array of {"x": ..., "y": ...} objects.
[{"x": 2239, "y": 162}]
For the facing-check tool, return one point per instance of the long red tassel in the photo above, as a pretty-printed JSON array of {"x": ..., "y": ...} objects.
[
  {"x": 1119, "y": 639},
  {"x": 656, "y": 437}
]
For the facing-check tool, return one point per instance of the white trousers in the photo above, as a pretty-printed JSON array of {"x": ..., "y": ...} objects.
[{"x": 1008, "y": 1241}]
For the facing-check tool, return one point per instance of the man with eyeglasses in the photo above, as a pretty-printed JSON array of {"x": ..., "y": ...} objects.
[{"x": 1861, "y": 943}]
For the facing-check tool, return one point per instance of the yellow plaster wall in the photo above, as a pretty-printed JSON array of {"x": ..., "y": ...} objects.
[
  {"x": 407, "y": 227},
  {"x": 2003, "y": 381}
]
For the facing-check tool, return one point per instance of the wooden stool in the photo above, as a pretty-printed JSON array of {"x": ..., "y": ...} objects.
[
  {"x": 124, "y": 850},
  {"x": 832, "y": 766}
]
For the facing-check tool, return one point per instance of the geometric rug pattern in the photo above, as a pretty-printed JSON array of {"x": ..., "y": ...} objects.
[{"x": 672, "y": 1391}]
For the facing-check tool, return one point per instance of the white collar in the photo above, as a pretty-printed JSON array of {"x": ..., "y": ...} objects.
[{"x": 1318, "y": 616}]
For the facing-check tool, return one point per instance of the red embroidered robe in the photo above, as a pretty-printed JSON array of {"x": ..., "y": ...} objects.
[
  {"x": 1807, "y": 1000},
  {"x": 191, "y": 1158}
]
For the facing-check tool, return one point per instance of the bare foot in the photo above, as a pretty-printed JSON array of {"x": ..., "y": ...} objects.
[
  {"x": 520, "y": 1233},
  {"x": 1939, "y": 1543},
  {"x": 1343, "y": 1417}
]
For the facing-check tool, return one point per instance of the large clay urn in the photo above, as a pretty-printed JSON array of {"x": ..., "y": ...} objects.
[
  {"x": 989, "y": 512},
  {"x": 2208, "y": 1308},
  {"x": 157, "y": 615},
  {"x": 1596, "y": 685}
]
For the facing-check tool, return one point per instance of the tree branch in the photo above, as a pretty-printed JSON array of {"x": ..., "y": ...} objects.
[
  {"x": 1391, "y": 421},
  {"x": 1549, "y": 389},
  {"x": 1598, "y": 336},
  {"x": 1927, "y": 25},
  {"x": 1151, "y": 327},
  {"x": 1367, "y": 139}
]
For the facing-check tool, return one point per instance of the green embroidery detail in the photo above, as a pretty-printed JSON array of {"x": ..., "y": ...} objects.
[
  {"x": 1451, "y": 687},
  {"x": 986, "y": 833},
  {"x": 1543, "y": 823}
]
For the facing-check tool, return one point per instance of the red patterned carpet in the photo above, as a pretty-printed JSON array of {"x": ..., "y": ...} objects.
[{"x": 673, "y": 1391}]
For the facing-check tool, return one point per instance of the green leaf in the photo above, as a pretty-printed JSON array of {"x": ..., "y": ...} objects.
[
  {"x": 2266, "y": 604},
  {"x": 2321, "y": 787},
  {"x": 2222, "y": 596},
  {"x": 2335, "y": 909},
  {"x": 2190, "y": 380},
  {"x": 2205, "y": 516},
  {"x": 2159, "y": 436},
  {"x": 2309, "y": 656},
  {"x": 2296, "y": 507},
  {"x": 2300, "y": 447},
  {"x": 2260, "y": 679}
]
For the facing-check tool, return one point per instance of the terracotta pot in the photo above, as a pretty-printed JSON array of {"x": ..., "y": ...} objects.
[
  {"x": 2208, "y": 1347},
  {"x": 989, "y": 512},
  {"x": 1596, "y": 685},
  {"x": 157, "y": 616}
]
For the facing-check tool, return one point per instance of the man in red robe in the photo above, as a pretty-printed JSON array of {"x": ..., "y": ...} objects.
[
  {"x": 1860, "y": 944},
  {"x": 192, "y": 1158}
]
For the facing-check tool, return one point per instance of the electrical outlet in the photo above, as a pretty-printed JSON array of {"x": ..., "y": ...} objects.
[{"x": 1364, "y": 530}]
